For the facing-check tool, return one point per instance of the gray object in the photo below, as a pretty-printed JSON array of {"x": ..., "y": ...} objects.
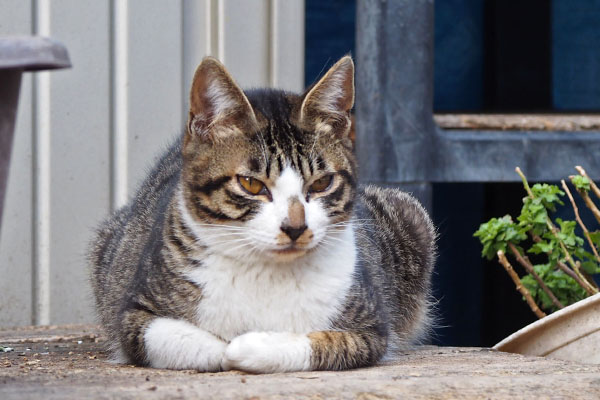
[
  {"x": 398, "y": 142},
  {"x": 17, "y": 55}
]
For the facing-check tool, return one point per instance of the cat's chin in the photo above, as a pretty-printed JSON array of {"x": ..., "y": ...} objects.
[{"x": 287, "y": 255}]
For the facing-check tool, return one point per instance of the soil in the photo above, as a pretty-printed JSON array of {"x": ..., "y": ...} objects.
[{"x": 69, "y": 362}]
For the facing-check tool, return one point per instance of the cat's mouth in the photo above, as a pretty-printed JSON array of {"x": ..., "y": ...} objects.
[
  {"x": 290, "y": 249},
  {"x": 288, "y": 253}
]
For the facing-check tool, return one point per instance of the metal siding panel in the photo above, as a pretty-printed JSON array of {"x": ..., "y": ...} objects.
[
  {"x": 196, "y": 36},
  {"x": 79, "y": 147},
  {"x": 15, "y": 18},
  {"x": 16, "y": 234},
  {"x": 158, "y": 72},
  {"x": 287, "y": 45},
  {"x": 244, "y": 38},
  {"x": 154, "y": 82}
]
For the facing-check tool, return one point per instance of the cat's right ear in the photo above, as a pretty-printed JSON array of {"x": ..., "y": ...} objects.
[
  {"x": 218, "y": 107},
  {"x": 326, "y": 105}
]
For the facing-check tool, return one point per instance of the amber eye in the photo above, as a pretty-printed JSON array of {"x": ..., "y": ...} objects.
[
  {"x": 251, "y": 185},
  {"x": 321, "y": 184}
]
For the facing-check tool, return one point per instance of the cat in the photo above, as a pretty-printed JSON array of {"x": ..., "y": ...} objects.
[{"x": 250, "y": 246}]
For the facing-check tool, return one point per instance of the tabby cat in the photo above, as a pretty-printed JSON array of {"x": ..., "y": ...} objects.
[{"x": 250, "y": 246}]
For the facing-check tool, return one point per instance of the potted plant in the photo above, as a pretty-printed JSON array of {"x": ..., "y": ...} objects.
[{"x": 559, "y": 280}]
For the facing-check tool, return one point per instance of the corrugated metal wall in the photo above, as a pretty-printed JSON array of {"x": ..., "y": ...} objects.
[{"x": 85, "y": 136}]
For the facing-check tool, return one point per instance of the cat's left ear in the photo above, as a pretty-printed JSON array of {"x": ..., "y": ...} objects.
[
  {"x": 326, "y": 106},
  {"x": 218, "y": 107}
]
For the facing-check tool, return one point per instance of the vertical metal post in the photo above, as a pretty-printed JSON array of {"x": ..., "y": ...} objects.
[{"x": 395, "y": 128}]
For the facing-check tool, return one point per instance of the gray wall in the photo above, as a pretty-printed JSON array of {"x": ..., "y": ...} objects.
[{"x": 85, "y": 136}]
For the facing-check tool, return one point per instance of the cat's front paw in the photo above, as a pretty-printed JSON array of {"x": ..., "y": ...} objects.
[{"x": 266, "y": 352}]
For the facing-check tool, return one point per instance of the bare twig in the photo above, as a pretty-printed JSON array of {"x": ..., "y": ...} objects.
[
  {"x": 522, "y": 289},
  {"x": 564, "y": 268},
  {"x": 582, "y": 281},
  {"x": 575, "y": 265},
  {"x": 593, "y": 186},
  {"x": 525, "y": 183},
  {"x": 586, "y": 233},
  {"x": 524, "y": 261},
  {"x": 535, "y": 237},
  {"x": 590, "y": 279},
  {"x": 589, "y": 203}
]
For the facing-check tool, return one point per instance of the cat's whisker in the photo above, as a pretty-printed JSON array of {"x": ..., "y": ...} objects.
[
  {"x": 328, "y": 246},
  {"x": 232, "y": 240},
  {"x": 354, "y": 222},
  {"x": 240, "y": 246},
  {"x": 242, "y": 229},
  {"x": 224, "y": 232},
  {"x": 218, "y": 226},
  {"x": 358, "y": 229},
  {"x": 251, "y": 240},
  {"x": 250, "y": 234},
  {"x": 337, "y": 240}
]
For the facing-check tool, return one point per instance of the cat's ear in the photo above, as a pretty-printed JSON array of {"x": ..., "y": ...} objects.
[
  {"x": 326, "y": 105},
  {"x": 218, "y": 107}
]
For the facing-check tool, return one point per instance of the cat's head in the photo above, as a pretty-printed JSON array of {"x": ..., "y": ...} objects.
[{"x": 268, "y": 173}]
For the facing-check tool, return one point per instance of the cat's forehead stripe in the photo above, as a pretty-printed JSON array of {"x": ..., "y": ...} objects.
[
  {"x": 283, "y": 143},
  {"x": 254, "y": 165}
]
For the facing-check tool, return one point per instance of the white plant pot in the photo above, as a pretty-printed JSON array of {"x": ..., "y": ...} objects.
[{"x": 572, "y": 333}]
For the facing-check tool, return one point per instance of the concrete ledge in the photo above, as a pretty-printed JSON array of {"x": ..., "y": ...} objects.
[
  {"x": 69, "y": 363},
  {"x": 520, "y": 122}
]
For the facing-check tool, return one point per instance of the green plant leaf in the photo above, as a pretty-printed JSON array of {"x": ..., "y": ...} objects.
[
  {"x": 567, "y": 234},
  {"x": 564, "y": 288},
  {"x": 548, "y": 195},
  {"x": 595, "y": 236},
  {"x": 496, "y": 233},
  {"x": 581, "y": 182},
  {"x": 530, "y": 284},
  {"x": 533, "y": 216},
  {"x": 590, "y": 267},
  {"x": 541, "y": 248}
]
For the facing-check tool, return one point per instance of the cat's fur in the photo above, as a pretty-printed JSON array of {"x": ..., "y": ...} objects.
[{"x": 198, "y": 273}]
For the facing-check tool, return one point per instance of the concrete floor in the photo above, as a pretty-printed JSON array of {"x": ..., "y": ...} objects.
[{"x": 69, "y": 363}]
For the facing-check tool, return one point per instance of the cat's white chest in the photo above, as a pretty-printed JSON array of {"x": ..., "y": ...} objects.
[{"x": 302, "y": 296}]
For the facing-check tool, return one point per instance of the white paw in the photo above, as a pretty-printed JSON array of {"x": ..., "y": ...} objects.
[
  {"x": 177, "y": 344},
  {"x": 265, "y": 352}
]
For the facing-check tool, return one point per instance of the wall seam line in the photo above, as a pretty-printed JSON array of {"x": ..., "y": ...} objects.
[
  {"x": 41, "y": 160},
  {"x": 273, "y": 42},
  {"x": 119, "y": 103},
  {"x": 220, "y": 29},
  {"x": 183, "y": 39}
]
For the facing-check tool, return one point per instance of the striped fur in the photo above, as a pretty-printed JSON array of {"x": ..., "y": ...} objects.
[{"x": 198, "y": 272}]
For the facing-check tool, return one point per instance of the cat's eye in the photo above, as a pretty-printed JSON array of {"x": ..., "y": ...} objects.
[
  {"x": 251, "y": 185},
  {"x": 321, "y": 184}
]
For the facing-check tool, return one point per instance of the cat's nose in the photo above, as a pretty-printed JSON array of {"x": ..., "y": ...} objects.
[
  {"x": 293, "y": 232},
  {"x": 295, "y": 224}
]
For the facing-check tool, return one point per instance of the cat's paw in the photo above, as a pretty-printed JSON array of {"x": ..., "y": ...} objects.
[
  {"x": 177, "y": 344},
  {"x": 266, "y": 352}
]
